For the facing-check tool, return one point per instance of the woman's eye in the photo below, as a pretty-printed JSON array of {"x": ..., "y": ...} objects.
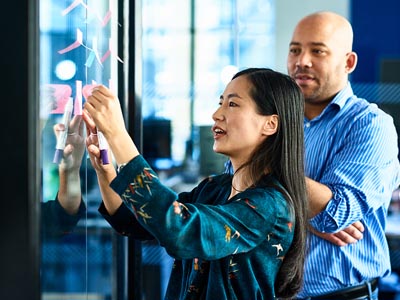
[{"x": 232, "y": 104}]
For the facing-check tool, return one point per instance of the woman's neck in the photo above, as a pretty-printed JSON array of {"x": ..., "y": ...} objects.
[{"x": 240, "y": 181}]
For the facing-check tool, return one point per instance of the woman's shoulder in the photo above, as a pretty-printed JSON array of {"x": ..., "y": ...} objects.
[
  {"x": 210, "y": 187},
  {"x": 270, "y": 184},
  {"x": 269, "y": 192},
  {"x": 216, "y": 180}
]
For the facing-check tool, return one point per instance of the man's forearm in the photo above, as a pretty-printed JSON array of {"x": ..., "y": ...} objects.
[{"x": 318, "y": 196}]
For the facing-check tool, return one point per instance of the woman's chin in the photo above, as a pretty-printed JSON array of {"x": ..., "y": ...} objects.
[{"x": 219, "y": 151}]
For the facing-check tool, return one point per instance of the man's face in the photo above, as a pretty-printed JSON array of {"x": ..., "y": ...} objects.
[{"x": 317, "y": 61}]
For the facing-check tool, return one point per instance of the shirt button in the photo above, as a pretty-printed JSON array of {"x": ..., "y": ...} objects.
[{"x": 308, "y": 124}]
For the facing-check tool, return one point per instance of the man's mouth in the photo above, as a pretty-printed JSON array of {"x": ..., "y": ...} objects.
[{"x": 303, "y": 79}]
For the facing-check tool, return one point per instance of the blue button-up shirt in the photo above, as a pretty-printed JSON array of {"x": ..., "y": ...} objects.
[{"x": 352, "y": 148}]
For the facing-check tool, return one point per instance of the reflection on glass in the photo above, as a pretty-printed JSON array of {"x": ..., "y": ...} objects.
[
  {"x": 78, "y": 44},
  {"x": 60, "y": 216}
]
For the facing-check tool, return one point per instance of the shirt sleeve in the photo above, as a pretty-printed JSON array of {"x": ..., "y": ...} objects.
[
  {"x": 362, "y": 174},
  {"x": 188, "y": 228}
]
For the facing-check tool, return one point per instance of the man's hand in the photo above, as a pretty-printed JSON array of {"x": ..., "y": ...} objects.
[{"x": 349, "y": 235}]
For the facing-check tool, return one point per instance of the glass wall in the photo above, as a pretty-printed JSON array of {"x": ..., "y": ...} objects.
[{"x": 78, "y": 48}]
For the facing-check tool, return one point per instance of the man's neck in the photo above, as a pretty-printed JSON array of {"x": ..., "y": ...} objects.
[{"x": 313, "y": 110}]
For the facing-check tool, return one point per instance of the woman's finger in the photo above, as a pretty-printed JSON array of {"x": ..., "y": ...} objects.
[{"x": 90, "y": 125}]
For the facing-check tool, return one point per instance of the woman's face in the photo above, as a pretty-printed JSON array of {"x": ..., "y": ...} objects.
[{"x": 238, "y": 128}]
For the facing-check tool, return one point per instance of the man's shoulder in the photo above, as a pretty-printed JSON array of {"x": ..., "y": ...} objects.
[{"x": 360, "y": 108}]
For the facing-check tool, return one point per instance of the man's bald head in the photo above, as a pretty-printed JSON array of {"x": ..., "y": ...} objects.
[{"x": 330, "y": 24}]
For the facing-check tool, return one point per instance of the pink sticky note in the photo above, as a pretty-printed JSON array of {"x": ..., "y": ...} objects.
[
  {"x": 61, "y": 94},
  {"x": 72, "y": 6},
  {"x": 106, "y": 18},
  {"x": 78, "y": 98},
  {"x": 87, "y": 90},
  {"x": 110, "y": 52},
  {"x": 78, "y": 42}
]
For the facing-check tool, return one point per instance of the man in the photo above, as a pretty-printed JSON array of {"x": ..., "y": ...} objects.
[{"x": 351, "y": 164}]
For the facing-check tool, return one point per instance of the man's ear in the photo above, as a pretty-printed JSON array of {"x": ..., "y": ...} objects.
[
  {"x": 271, "y": 125},
  {"x": 351, "y": 62}
]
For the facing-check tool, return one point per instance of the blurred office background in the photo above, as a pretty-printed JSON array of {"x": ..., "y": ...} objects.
[{"x": 169, "y": 62}]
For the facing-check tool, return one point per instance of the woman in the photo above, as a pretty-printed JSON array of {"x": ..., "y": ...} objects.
[{"x": 239, "y": 236}]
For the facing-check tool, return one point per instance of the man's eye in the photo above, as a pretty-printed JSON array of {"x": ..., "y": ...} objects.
[{"x": 232, "y": 104}]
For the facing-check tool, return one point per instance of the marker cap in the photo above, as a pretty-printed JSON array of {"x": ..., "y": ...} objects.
[
  {"x": 104, "y": 156},
  {"x": 58, "y": 155}
]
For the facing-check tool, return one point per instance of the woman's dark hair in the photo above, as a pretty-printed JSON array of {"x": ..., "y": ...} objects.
[{"x": 282, "y": 154}]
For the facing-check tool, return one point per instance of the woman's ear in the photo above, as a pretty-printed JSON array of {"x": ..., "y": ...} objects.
[{"x": 271, "y": 125}]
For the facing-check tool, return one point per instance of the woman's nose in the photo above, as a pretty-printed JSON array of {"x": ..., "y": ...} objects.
[{"x": 217, "y": 115}]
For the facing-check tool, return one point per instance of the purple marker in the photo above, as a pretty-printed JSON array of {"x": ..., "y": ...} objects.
[
  {"x": 62, "y": 138},
  {"x": 103, "y": 146}
]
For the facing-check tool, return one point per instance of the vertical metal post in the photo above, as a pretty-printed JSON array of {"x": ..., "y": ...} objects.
[
  {"x": 19, "y": 251},
  {"x": 192, "y": 90},
  {"x": 129, "y": 251}
]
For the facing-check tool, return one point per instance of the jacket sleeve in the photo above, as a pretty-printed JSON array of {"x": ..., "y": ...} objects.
[
  {"x": 56, "y": 222},
  {"x": 189, "y": 226},
  {"x": 125, "y": 223}
]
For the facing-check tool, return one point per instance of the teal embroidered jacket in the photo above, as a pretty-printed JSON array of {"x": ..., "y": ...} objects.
[{"x": 223, "y": 248}]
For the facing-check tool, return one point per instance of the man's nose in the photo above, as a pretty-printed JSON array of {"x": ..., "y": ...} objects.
[{"x": 304, "y": 60}]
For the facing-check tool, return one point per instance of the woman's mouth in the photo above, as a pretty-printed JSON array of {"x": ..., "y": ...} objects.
[{"x": 218, "y": 131}]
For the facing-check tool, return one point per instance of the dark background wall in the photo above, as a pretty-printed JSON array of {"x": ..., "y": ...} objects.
[{"x": 376, "y": 26}]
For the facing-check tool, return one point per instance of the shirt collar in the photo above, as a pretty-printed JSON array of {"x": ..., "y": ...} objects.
[
  {"x": 337, "y": 103},
  {"x": 341, "y": 98}
]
